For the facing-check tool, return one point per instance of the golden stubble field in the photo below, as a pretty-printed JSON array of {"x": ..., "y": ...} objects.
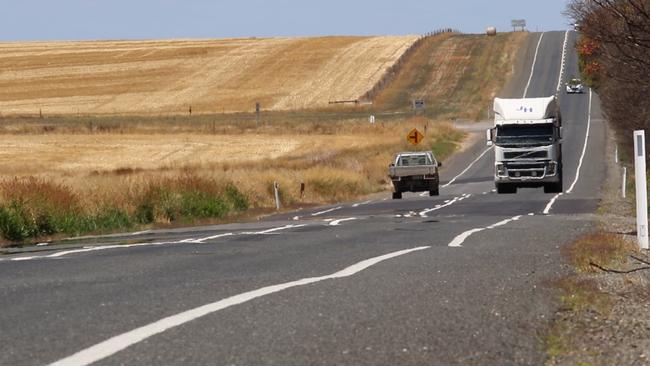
[
  {"x": 210, "y": 76},
  {"x": 100, "y": 166}
]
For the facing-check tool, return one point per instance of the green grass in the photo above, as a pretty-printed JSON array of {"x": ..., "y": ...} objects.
[{"x": 34, "y": 208}]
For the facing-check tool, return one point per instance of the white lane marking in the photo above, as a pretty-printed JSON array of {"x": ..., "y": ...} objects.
[
  {"x": 327, "y": 211},
  {"x": 338, "y": 222},
  {"x": 448, "y": 203},
  {"x": 584, "y": 147},
  {"x": 124, "y": 246},
  {"x": 202, "y": 240},
  {"x": 468, "y": 168},
  {"x": 562, "y": 65},
  {"x": 122, "y": 341},
  {"x": 272, "y": 230},
  {"x": 460, "y": 239},
  {"x": 532, "y": 70},
  {"x": 140, "y": 232},
  {"x": 551, "y": 203},
  {"x": 548, "y": 208},
  {"x": 361, "y": 203}
]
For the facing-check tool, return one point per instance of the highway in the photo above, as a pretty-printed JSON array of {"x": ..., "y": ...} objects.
[{"x": 460, "y": 279}]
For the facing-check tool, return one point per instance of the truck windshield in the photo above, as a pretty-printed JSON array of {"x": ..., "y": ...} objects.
[{"x": 525, "y": 134}]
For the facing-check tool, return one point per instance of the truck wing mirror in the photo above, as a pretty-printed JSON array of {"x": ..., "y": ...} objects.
[{"x": 489, "y": 135}]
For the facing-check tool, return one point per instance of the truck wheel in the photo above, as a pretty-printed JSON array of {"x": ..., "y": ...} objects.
[
  {"x": 553, "y": 187},
  {"x": 397, "y": 195},
  {"x": 435, "y": 191},
  {"x": 503, "y": 188}
]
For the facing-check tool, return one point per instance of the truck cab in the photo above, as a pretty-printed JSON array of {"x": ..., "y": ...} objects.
[{"x": 527, "y": 140}]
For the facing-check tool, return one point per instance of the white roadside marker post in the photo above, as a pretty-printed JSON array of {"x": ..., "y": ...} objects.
[
  {"x": 641, "y": 189},
  {"x": 276, "y": 189},
  {"x": 623, "y": 190}
]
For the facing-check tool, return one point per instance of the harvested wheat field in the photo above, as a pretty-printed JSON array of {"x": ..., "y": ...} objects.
[{"x": 210, "y": 76}]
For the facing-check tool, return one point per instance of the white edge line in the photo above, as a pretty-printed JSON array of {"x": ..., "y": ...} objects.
[
  {"x": 124, "y": 246},
  {"x": 551, "y": 203},
  {"x": 326, "y": 211},
  {"x": 468, "y": 168},
  {"x": 338, "y": 222},
  {"x": 120, "y": 342},
  {"x": 562, "y": 65},
  {"x": 584, "y": 147},
  {"x": 532, "y": 69},
  {"x": 458, "y": 241}
]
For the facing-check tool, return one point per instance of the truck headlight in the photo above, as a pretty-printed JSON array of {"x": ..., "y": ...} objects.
[
  {"x": 501, "y": 170},
  {"x": 550, "y": 169}
]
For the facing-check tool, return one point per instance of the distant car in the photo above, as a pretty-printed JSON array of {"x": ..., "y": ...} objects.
[{"x": 574, "y": 86}]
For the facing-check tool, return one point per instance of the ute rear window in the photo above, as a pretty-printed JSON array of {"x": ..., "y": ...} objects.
[{"x": 413, "y": 160}]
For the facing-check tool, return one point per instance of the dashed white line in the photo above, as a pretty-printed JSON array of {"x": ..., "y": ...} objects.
[
  {"x": 361, "y": 204},
  {"x": 339, "y": 221},
  {"x": 468, "y": 168},
  {"x": 458, "y": 241},
  {"x": 532, "y": 70},
  {"x": 120, "y": 342},
  {"x": 326, "y": 211},
  {"x": 448, "y": 203}
]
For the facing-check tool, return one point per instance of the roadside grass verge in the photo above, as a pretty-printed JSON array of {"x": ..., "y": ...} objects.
[
  {"x": 337, "y": 161},
  {"x": 584, "y": 303}
]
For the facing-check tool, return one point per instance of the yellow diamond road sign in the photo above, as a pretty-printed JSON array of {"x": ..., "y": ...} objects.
[{"x": 415, "y": 137}]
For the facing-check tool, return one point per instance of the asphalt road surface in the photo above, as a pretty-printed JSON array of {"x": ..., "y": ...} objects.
[{"x": 460, "y": 279}]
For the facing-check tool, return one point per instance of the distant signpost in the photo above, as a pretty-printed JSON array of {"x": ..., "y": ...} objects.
[
  {"x": 519, "y": 23},
  {"x": 419, "y": 104}
]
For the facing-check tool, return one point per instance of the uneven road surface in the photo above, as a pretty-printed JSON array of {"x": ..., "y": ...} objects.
[{"x": 460, "y": 279}]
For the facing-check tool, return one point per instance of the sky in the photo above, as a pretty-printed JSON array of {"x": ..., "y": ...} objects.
[{"x": 27, "y": 20}]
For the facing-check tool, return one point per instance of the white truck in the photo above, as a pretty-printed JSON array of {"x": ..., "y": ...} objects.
[
  {"x": 527, "y": 140},
  {"x": 414, "y": 172}
]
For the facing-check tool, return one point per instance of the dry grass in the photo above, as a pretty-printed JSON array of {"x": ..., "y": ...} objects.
[
  {"x": 211, "y": 76},
  {"x": 162, "y": 173},
  {"x": 456, "y": 75},
  {"x": 600, "y": 248}
]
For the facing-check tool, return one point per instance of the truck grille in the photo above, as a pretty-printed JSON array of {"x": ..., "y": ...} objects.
[
  {"x": 525, "y": 154},
  {"x": 526, "y": 170}
]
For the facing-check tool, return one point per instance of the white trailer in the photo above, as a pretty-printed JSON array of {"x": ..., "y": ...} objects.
[{"x": 527, "y": 144}]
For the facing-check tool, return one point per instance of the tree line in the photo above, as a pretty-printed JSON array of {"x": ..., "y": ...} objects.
[{"x": 614, "y": 50}]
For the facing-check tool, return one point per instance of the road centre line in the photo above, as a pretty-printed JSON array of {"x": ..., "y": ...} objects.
[
  {"x": 327, "y": 211},
  {"x": 361, "y": 204},
  {"x": 460, "y": 239},
  {"x": 532, "y": 70},
  {"x": 468, "y": 168},
  {"x": 122, "y": 341}
]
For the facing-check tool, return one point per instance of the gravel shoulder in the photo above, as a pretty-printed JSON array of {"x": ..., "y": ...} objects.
[{"x": 617, "y": 333}]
